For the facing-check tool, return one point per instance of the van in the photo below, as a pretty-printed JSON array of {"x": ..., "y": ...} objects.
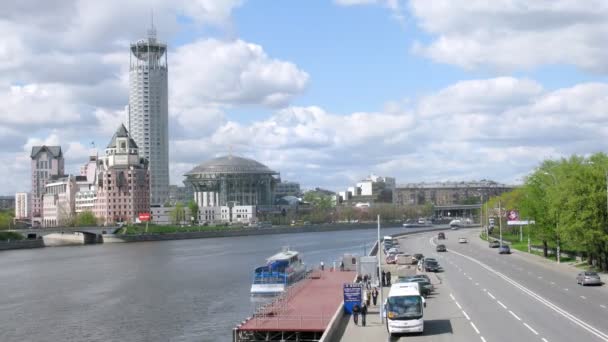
[{"x": 404, "y": 309}]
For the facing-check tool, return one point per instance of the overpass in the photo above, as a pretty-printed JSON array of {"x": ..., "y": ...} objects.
[
  {"x": 91, "y": 234},
  {"x": 457, "y": 210}
]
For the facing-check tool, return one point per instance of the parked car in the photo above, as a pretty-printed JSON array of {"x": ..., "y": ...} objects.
[
  {"x": 504, "y": 249},
  {"x": 391, "y": 259},
  {"x": 588, "y": 278},
  {"x": 431, "y": 266},
  {"x": 455, "y": 224},
  {"x": 441, "y": 236},
  {"x": 418, "y": 256},
  {"x": 393, "y": 250},
  {"x": 463, "y": 240},
  {"x": 441, "y": 248},
  {"x": 494, "y": 244}
]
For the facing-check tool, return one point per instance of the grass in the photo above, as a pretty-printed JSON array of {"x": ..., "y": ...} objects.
[
  {"x": 10, "y": 236},
  {"x": 158, "y": 229}
]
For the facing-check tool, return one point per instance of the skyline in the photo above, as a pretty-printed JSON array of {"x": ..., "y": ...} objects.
[{"x": 324, "y": 93}]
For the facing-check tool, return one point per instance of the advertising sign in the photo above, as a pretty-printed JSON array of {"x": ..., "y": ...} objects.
[
  {"x": 352, "y": 296},
  {"x": 513, "y": 215},
  {"x": 144, "y": 217}
]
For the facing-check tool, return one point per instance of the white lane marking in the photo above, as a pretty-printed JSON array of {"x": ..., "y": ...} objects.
[
  {"x": 539, "y": 277},
  {"x": 476, "y": 284},
  {"x": 603, "y": 336},
  {"x": 474, "y": 327},
  {"x": 583, "y": 297},
  {"x": 552, "y": 283},
  {"x": 452, "y": 296},
  {"x": 483, "y": 339},
  {"x": 603, "y": 306},
  {"x": 565, "y": 289},
  {"x": 544, "y": 339},
  {"x": 484, "y": 290},
  {"x": 458, "y": 305},
  {"x": 514, "y": 315},
  {"x": 491, "y": 295},
  {"x": 501, "y": 304},
  {"x": 532, "y": 330},
  {"x": 465, "y": 315},
  {"x": 470, "y": 278}
]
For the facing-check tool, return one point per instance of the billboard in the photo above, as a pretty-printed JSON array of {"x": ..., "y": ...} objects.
[
  {"x": 144, "y": 217},
  {"x": 512, "y": 215},
  {"x": 352, "y": 296}
]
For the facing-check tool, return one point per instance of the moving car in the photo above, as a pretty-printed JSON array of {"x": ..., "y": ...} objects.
[
  {"x": 441, "y": 236},
  {"x": 463, "y": 240},
  {"x": 441, "y": 248},
  {"x": 494, "y": 244},
  {"x": 504, "y": 249},
  {"x": 455, "y": 224},
  {"x": 588, "y": 278}
]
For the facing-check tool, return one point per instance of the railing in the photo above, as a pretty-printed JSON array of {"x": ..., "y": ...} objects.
[
  {"x": 280, "y": 304},
  {"x": 299, "y": 321}
]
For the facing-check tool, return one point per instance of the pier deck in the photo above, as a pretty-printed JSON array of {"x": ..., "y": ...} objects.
[{"x": 302, "y": 313}]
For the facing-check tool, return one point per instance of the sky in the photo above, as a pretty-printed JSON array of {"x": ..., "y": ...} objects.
[{"x": 323, "y": 91}]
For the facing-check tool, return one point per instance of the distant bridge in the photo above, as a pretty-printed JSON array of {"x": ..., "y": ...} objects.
[
  {"x": 92, "y": 234},
  {"x": 456, "y": 210}
]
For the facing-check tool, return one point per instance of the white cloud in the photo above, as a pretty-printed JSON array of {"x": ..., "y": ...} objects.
[
  {"x": 395, "y": 6},
  {"x": 514, "y": 34},
  {"x": 232, "y": 72}
]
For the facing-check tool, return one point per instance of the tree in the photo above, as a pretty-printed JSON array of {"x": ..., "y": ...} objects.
[
  {"x": 6, "y": 219},
  {"x": 193, "y": 210},
  {"x": 86, "y": 219},
  {"x": 177, "y": 214}
]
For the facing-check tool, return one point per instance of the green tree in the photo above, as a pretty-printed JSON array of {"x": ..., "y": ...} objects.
[
  {"x": 6, "y": 219},
  {"x": 193, "y": 207},
  {"x": 178, "y": 213},
  {"x": 86, "y": 219}
]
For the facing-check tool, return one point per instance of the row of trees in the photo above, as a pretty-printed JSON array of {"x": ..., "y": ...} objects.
[{"x": 568, "y": 200}]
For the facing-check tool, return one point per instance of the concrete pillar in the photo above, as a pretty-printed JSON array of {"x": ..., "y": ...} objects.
[{"x": 204, "y": 196}]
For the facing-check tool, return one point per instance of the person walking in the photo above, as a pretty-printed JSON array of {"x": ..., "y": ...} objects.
[
  {"x": 322, "y": 266},
  {"x": 388, "y": 278},
  {"x": 363, "y": 314},
  {"x": 356, "y": 311},
  {"x": 365, "y": 297},
  {"x": 341, "y": 265},
  {"x": 375, "y": 295},
  {"x": 383, "y": 278}
]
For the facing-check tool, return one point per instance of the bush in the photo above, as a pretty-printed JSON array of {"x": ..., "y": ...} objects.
[{"x": 10, "y": 236}]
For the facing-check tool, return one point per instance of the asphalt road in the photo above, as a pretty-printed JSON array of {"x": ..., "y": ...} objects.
[{"x": 489, "y": 297}]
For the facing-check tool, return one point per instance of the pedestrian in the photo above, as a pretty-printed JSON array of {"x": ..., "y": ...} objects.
[
  {"x": 375, "y": 295},
  {"x": 322, "y": 266},
  {"x": 359, "y": 279},
  {"x": 341, "y": 265},
  {"x": 365, "y": 297},
  {"x": 365, "y": 278},
  {"x": 368, "y": 297},
  {"x": 388, "y": 278},
  {"x": 356, "y": 311},
  {"x": 383, "y": 278},
  {"x": 363, "y": 314}
]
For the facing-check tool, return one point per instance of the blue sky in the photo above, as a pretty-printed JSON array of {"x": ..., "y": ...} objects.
[{"x": 324, "y": 92}]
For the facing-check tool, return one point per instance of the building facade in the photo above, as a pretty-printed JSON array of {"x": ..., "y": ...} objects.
[
  {"x": 230, "y": 188},
  {"x": 283, "y": 189},
  {"x": 47, "y": 162},
  {"x": 22, "y": 206},
  {"x": 86, "y": 196},
  {"x": 58, "y": 201},
  {"x": 7, "y": 202},
  {"x": 148, "y": 114},
  {"x": 448, "y": 193},
  {"x": 123, "y": 183}
]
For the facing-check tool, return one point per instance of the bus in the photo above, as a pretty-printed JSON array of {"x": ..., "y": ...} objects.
[{"x": 404, "y": 310}]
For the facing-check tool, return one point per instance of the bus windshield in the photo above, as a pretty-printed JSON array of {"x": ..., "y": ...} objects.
[{"x": 404, "y": 307}]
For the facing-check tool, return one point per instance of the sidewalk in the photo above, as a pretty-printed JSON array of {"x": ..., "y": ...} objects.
[{"x": 374, "y": 329}]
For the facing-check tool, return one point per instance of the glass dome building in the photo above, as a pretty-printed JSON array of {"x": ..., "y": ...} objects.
[{"x": 232, "y": 181}]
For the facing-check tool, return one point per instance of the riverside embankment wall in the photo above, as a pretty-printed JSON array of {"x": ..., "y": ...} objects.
[
  {"x": 230, "y": 232},
  {"x": 21, "y": 244}
]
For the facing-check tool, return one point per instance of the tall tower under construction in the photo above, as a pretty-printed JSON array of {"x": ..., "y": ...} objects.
[{"x": 148, "y": 114}]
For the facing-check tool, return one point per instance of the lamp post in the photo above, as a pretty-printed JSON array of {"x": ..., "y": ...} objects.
[
  {"x": 378, "y": 252},
  {"x": 556, "y": 218}
]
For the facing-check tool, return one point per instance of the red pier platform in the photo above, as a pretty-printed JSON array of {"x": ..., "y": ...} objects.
[{"x": 302, "y": 313}]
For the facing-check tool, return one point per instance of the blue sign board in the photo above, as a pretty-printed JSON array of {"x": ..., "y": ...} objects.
[{"x": 352, "y": 296}]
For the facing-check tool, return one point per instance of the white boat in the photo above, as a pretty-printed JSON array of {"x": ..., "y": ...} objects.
[{"x": 280, "y": 271}]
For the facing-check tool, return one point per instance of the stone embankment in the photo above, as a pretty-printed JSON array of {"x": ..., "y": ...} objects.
[{"x": 21, "y": 244}]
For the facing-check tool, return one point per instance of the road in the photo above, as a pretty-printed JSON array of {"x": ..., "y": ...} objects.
[{"x": 484, "y": 296}]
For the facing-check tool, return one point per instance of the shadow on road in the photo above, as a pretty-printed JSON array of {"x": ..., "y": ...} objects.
[{"x": 431, "y": 327}]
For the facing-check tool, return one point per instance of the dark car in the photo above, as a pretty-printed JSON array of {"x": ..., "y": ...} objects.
[
  {"x": 504, "y": 249},
  {"x": 441, "y": 248},
  {"x": 441, "y": 236},
  {"x": 494, "y": 244},
  {"x": 430, "y": 266}
]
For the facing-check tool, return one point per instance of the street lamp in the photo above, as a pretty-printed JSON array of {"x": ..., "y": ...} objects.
[{"x": 557, "y": 218}]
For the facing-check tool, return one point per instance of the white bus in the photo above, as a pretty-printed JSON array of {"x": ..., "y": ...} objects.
[{"x": 404, "y": 309}]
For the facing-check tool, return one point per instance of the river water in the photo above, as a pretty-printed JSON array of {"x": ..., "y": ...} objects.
[{"x": 183, "y": 290}]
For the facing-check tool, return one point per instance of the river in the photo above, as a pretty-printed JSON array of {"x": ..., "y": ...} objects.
[{"x": 183, "y": 290}]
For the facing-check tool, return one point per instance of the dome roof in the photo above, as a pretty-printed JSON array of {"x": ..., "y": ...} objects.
[{"x": 230, "y": 164}]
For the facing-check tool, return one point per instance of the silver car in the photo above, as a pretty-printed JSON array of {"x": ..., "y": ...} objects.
[{"x": 588, "y": 278}]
